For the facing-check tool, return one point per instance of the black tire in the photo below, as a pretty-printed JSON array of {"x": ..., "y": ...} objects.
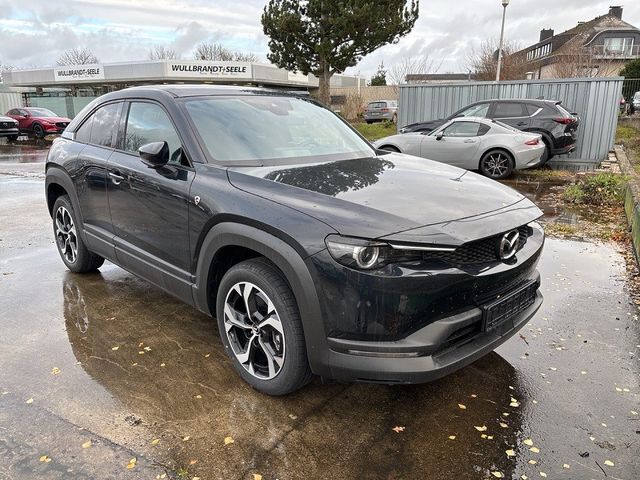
[
  {"x": 496, "y": 164},
  {"x": 38, "y": 131},
  {"x": 390, "y": 148},
  {"x": 82, "y": 260},
  {"x": 369, "y": 121},
  {"x": 294, "y": 371},
  {"x": 394, "y": 119}
]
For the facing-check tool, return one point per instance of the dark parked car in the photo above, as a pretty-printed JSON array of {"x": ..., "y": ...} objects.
[
  {"x": 9, "y": 128},
  {"x": 546, "y": 117},
  {"x": 37, "y": 121},
  {"x": 316, "y": 253}
]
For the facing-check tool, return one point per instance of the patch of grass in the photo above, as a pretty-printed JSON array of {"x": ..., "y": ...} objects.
[
  {"x": 600, "y": 189},
  {"x": 542, "y": 174},
  {"x": 626, "y": 133},
  {"x": 560, "y": 230},
  {"x": 375, "y": 131}
]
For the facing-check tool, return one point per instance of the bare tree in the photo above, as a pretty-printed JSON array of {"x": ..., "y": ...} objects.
[
  {"x": 484, "y": 63},
  {"x": 77, "y": 56},
  {"x": 576, "y": 61},
  {"x": 5, "y": 68},
  {"x": 218, "y": 52},
  {"x": 160, "y": 52},
  {"x": 397, "y": 73}
]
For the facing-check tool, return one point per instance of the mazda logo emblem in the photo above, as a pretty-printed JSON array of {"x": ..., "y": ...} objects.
[{"x": 508, "y": 245}]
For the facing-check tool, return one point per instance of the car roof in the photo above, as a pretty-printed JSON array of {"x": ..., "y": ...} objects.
[
  {"x": 539, "y": 101},
  {"x": 204, "y": 90}
]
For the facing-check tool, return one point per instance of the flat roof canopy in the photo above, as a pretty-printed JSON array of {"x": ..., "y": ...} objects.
[{"x": 169, "y": 71}]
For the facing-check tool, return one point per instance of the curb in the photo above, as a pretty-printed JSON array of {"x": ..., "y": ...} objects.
[{"x": 631, "y": 198}]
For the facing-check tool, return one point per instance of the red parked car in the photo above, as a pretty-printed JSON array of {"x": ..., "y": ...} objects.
[{"x": 38, "y": 121}]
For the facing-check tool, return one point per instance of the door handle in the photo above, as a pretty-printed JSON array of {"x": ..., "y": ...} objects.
[
  {"x": 470, "y": 140},
  {"x": 521, "y": 124},
  {"x": 116, "y": 178}
]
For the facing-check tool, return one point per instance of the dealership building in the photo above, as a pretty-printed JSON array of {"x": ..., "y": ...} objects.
[{"x": 67, "y": 89}]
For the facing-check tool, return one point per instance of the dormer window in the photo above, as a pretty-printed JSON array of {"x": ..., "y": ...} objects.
[{"x": 618, "y": 45}]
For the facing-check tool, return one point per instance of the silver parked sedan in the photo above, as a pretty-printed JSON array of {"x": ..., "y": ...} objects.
[
  {"x": 494, "y": 148},
  {"x": 381, "y": 110}
]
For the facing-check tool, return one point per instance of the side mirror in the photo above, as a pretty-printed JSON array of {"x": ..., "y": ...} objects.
[
  {"x": 439, "y": 136},
  {"x": 155, "y": 154}
]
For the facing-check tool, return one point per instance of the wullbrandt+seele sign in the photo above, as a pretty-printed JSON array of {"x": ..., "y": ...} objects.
[{"x": 209, "y": 69}]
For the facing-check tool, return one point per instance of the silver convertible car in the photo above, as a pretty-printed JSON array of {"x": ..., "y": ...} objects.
[{"x": 494, "y": 148}]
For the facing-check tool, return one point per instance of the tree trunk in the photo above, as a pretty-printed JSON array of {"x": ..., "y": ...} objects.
[{"x": 324, "y": 93}]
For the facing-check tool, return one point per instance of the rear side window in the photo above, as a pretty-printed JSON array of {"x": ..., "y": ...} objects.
[
  {"x": 105, "y": 124},
  {"x": 483, "y": 129},
  {"x": 509, "y": 109},
  {"x": 101, "y": 127},
  {"x": 531, "y": 108},
  {"x": 377, "y": 104}
]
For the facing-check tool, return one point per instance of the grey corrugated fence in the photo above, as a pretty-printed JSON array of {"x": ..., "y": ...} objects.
[
  {"x": 596, "y": 100},
  {"x": 9, "y": 98}
]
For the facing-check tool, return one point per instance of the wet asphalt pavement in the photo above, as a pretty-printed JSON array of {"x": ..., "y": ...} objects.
[{"x": 97, "y": 370}]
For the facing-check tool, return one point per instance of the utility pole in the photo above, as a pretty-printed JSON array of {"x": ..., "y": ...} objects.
[{"x": 505, "y": 3}]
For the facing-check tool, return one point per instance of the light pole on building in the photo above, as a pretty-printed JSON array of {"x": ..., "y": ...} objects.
[{"x": 505, "y": 3}]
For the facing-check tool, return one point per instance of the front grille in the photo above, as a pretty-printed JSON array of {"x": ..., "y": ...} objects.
[
  {"x": 7, "y": 124},
  {"x": 478, "y": 252}
]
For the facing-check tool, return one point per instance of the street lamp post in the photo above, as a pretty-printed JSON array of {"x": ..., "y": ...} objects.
[{"x": 504, "y": 15}]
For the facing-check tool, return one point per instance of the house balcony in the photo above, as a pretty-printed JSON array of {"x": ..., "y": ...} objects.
[{"x": 628, "y": 52}]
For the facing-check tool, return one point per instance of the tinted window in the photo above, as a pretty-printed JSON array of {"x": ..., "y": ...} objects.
[
  {"x": 83, "y": 134},
  {"x": 506, "y": 110},
  {"x": 531, "y": 108},
  {"x": 105, "y": 124},
  {"x": 147, "y": 123},
  {"x": 462, "y": 129},
  {"x": 475, "y": 111},
  {"x": 483, "y": 129},
  {"x": 377, "y": 105}
]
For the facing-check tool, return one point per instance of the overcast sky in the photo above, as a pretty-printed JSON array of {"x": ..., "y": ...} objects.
[{"x": 35, "y": 32}]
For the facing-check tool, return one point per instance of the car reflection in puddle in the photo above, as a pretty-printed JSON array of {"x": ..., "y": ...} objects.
[{"x": 163, "y": 360}]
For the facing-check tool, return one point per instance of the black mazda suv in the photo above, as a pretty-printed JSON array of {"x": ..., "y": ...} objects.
[
  {"x": 546, "y": 117},
  {"x": 316, "y": 253}
]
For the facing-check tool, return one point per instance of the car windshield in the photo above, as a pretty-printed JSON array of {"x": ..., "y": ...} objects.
[
  {"x": 41, "y": 112},
  {"x": 272, "y": 130},
  {"x": 377, "y": 105}
]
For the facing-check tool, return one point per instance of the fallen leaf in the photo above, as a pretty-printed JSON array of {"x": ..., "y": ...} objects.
[
  {"x": 633, "y": 412},
  {"x": 603, "y": 424},
  {"x": 87, "y": 444},
  {"x": 473, "y": 395},
  {"x": 498, "y": 474},
  {"x": 257, "y": 476},
  {"x": 147, "y": 349},
  {"x": 504, "y": 425},
  {"x": 228, "y": 440},
  {"x": 195, "y": 478},
  {"x": 398, "y": 429},
  {"x": 490, "y": 437},
  {"x": 162, "y": 364},
  {"x": 484, "y": 435},
  {"x": 524, "y": 477},
  {"x": 553, "y": 369},
  {"x": 618, "y": 389},
  {"x": 609, "y": 463},
  {"x": 132, "y": 463},
  {"x": 29, "y": 401},
  {"x": 532, "y": 462},
  {"x": 187, "y": 438},
  {"x": 542, "y": 474},
  {"x": 528, "y": 442},
  {"x": 483, "y": 428},
  {"x": 207, "y": 355},
  {"x": 535, "y": 449},
  {"x": 566, "y": 466},
  {"x": 45, "y": 458},
  {"x": 155, "y": 441},
  {"x": 514, "y": 404},
  {"x": 55, "y": 371},
  {"x": 510, "y": 453},
  {"x": 115, "y": 348},
  {"x": 293, "y": 417},
  {"x": 462, "y": 407},
  {"x": 198, "y": 397},
  {"x": 452, "y": 437},
  {"x": 193, "y": 462}
]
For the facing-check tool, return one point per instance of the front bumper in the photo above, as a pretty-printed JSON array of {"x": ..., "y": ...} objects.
[
  {"x": 9, "y": 132},
  {"x": 380, "y": 116},
  {"x": 407, "y": 360}
]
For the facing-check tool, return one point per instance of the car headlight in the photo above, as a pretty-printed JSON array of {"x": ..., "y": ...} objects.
[{"x": 365, "y": 254}]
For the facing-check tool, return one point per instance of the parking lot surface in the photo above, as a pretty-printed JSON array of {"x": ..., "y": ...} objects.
[{"x": 104, "y": 376}]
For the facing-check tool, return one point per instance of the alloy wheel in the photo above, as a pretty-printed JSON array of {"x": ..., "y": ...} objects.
[
  {"x": 497, "y": 164},
  {"x": 66, "y": 235},
  {"x": 254, "y": 330}
]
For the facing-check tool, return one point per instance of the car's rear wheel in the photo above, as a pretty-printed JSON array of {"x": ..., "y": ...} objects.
[
  {"x": 71, "y": 248},
  {"x": 496, "y": 164},
  {"x": 38, "y": 130},
  {"x": 546, "y": 155},
  {"x": 260, "y": 328}
]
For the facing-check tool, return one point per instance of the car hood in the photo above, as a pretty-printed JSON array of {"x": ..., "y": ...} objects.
[
  {"x": 383, "y": 195},
  {"x": 6, "y": 119},
  {"x": 52, "y": 119}
]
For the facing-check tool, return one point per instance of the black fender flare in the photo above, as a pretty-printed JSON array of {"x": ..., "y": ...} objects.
[
  {"x": 290, "y": 263},
  {"x": 57, "y": 175}
]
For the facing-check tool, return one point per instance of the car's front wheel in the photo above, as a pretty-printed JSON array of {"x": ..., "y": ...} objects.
[
  {"x": 496, "y": 164},
  {"x": 38, "y": 130},
  {"x": 260, "y": 327},
  {"x": 71, "y": 248}
]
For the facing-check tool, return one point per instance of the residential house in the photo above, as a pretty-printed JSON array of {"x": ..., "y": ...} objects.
[{"x": 597, "y": 48}]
